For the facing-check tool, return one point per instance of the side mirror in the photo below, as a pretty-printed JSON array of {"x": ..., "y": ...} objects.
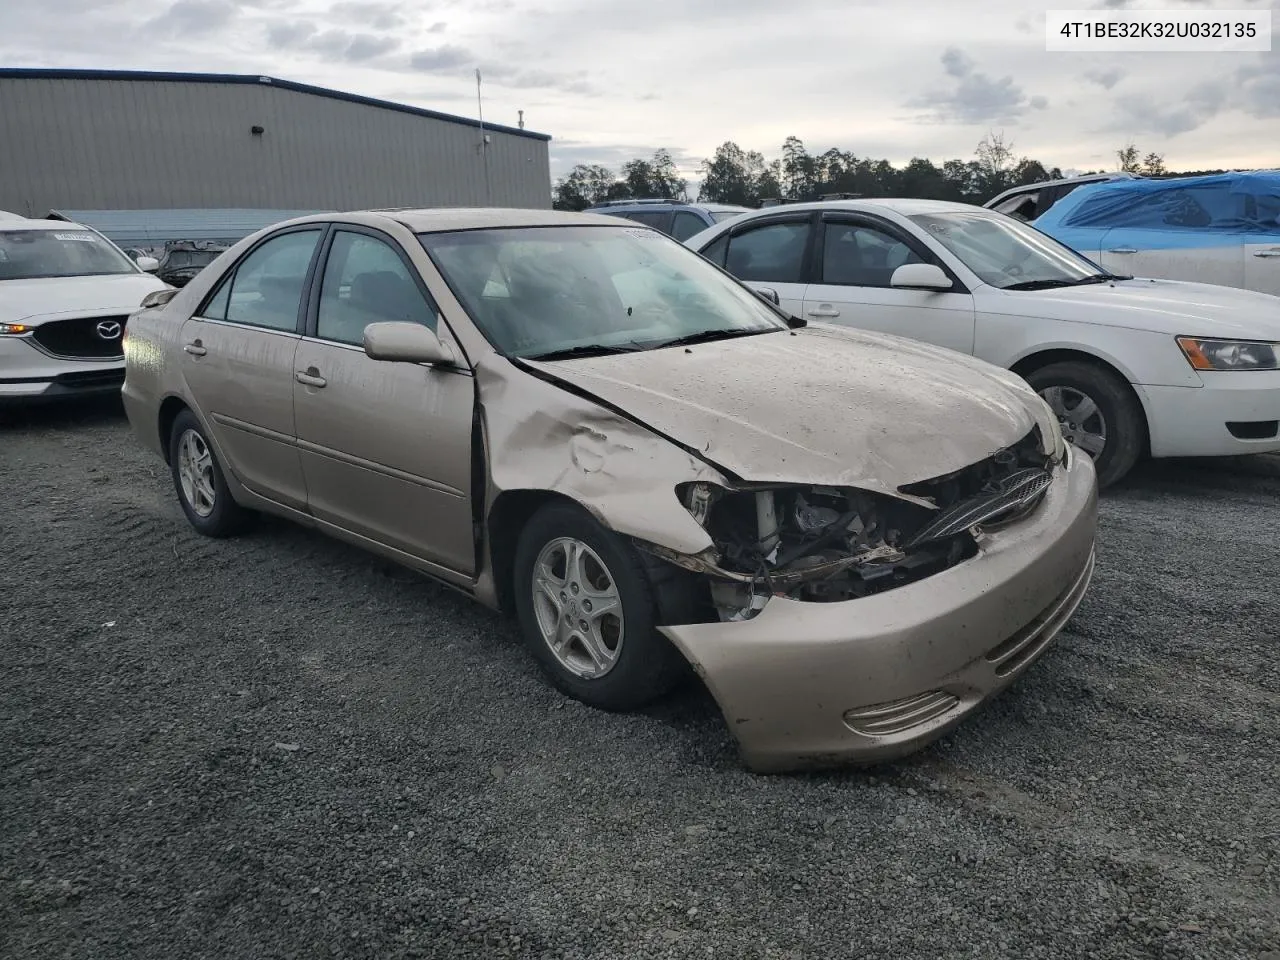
[
  {"x": 158, "y": 298},
  {"x": 148, "y": 264},
  {"x": 920, "y": 276},
  {"x": 404, "y": 342},
  {"x": 769, "y": 294}
]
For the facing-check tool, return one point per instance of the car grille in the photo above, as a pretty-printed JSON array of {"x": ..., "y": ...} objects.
[
  {"x": 1021, "y": 648},
  {"x": 899, "y": 716},
  {"x": 1008, "y": 496},
  {"x": 82, "y": 338},
  {"x": 91, "y": 378}
]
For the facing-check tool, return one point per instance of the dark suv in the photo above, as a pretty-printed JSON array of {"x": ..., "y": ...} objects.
[{"x": 674, "y": 217}]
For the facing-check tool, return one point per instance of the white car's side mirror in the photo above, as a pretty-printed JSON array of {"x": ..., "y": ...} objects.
[
  {"x": 920, "y": 276},
  {"x": 148, "y": 264}
]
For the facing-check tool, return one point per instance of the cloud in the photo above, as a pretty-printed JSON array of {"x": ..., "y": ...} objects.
[
  {"x": 190, "y": 17},
  {"x": 443, "y": 59},
  {"x": 1171, "y": 116},
  {"x": 1105, "y": 78},
  {"x": 975, "y": 97},
  {"x": 352, "y": 47},
  {"x": 377, "y": 16},
  {"x": 437, "y": 27},
  {"x": 300, "y": 35}
]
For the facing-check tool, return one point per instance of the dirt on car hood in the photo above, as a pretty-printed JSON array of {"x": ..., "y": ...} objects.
[{"x": 822, "y": 405}]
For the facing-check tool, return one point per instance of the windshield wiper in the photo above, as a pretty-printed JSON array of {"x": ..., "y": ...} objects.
[
  {"x": 584, "y": 350},
  {"x": 1079, "y": 282},
  {"x": 707, "y": 336}
]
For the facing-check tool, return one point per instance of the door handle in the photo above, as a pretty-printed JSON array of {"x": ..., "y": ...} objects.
[
  {"x": 1268, "y": 253},
  {"x": 195, "y": 348},
  {"x": 310, "y": 377},
  {"x": 824, "y": 311},
  {"x": 1122, "y": 250}
]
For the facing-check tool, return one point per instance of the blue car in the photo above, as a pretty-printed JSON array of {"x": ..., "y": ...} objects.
[
  {"x": 1223, "y": 228},
  {"x": 673, "y": 217}
]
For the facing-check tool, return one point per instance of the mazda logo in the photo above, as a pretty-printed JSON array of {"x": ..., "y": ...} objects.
[{"x": 109, "y": 330}]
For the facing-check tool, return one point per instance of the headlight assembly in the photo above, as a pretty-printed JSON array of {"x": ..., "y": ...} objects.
[
  {"x": 13, "y": 329},
  {"x": 1206, "y": 354}
]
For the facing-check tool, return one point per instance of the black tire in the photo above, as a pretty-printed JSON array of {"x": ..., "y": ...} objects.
[
  {"x": 1125, "y": 423},
  {"x": 647, "y": 666},
  {"x": 225, "y": 518}
]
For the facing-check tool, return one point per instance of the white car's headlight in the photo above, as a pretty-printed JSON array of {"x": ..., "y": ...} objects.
[
  {"x": 1207, "y": 354},
  {"x": 14, "y": 329}
]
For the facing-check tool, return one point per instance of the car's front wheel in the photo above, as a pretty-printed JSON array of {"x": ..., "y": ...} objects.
[
  {"x": 588, "y": 613},
  {"x": 197, "y": 477},
  {"x": 1098, "y": 414}
]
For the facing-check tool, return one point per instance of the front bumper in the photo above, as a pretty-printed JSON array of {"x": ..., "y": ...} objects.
[
  {"x": 1193, "y": 421},
  {"x": 806, "y": 685},
  {"x": 28, "y": 375}
]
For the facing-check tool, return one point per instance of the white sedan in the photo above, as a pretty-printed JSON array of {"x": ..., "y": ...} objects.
[
  {"x": 66, "y": 293},
  {"x": 1131, "y": 367}
]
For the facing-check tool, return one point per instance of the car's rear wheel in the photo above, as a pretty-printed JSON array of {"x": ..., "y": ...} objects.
[
  {"x": 588, "y": 612},
  {"x": 197, "y": 477},
  {"x": 1098, "y": 414}
]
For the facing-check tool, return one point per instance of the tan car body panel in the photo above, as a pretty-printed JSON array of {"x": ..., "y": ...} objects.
[
  {"x": 910, "y": 413},
  {"x": 618, "y": 434}
]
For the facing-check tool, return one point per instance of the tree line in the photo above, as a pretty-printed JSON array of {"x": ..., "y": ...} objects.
[{"x": 744, "y": 177}]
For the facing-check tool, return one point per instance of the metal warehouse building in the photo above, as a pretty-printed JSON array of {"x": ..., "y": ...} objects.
[{"x": 125, "y": 140}]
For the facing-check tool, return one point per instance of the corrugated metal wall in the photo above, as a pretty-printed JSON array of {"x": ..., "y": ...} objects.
[{"x": 103, "y": 144}]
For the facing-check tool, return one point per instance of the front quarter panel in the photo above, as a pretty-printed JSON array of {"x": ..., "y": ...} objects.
[
  {"x": 1142, "y": 356},
  {"x": 542, "y": 437}
]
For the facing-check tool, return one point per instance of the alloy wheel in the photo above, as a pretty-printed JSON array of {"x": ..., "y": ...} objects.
[
  {"x": 195, "y": 472},
  {"x": 578, "y": 607},
  {"x": 1082, "y": 422}
]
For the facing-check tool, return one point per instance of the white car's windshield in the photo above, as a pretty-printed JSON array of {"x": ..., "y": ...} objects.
[
  {"x": 548, "y": 291},
  {"x": 1006, "y": 253},
  {"x": 35, "y": 254}
]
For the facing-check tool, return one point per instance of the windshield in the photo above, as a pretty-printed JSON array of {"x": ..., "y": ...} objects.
[
  {"x": 34, "y": 254},
  {"x": 536, "y": 291},
  {"x": 1006, "y": 253},
  {"x": 720, "y": 216}
]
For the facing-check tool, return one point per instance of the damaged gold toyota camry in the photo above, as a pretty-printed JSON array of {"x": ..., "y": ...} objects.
[{"x": 853, "y": 539}]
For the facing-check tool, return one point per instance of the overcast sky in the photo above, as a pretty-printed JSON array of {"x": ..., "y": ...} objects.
[{"x": 614, "y": 79}]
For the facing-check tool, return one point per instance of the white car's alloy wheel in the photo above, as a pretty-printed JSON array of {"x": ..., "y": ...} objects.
[{"x": 1080, "y": 417}]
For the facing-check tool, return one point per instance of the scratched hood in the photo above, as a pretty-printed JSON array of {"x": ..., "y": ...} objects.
[{"x": 824, "y": 405}]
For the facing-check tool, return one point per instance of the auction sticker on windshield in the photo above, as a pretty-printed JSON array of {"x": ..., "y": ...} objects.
[{"x": 87, "y": 237}]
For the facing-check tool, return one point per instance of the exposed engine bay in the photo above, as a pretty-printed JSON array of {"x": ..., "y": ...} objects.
[{"x": 824, "y": 544}]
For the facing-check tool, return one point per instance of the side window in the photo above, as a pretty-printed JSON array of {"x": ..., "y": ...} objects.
[
  {"x": 1022, "y": 206},
  {"x": 216, "y": 307},
  {"x": 266, "y": 288},
  {"x": 716, "y": 251},
  {"x": 365, "y": 282},
  {"x": 862, "y": 256},
  {"x": 659, "y": 220},
  {"x": 685, "y": 225},
  {"x": 772, "y": 253}
]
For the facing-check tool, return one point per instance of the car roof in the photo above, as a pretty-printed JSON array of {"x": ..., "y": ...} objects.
[
  {"x": 907, "y": 206},
  {"x": 667, "y": 205},
  {"x": 25, "y": 223},
  {"x": 444, "y": 219},
  {"x": 1083, "y": 178}
]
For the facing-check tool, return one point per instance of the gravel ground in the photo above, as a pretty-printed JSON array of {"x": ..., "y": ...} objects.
[{"x": 280, "y": 747}]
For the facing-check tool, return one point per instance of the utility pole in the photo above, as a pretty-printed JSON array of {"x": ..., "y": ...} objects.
[{"x": 484, "y": 142}]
